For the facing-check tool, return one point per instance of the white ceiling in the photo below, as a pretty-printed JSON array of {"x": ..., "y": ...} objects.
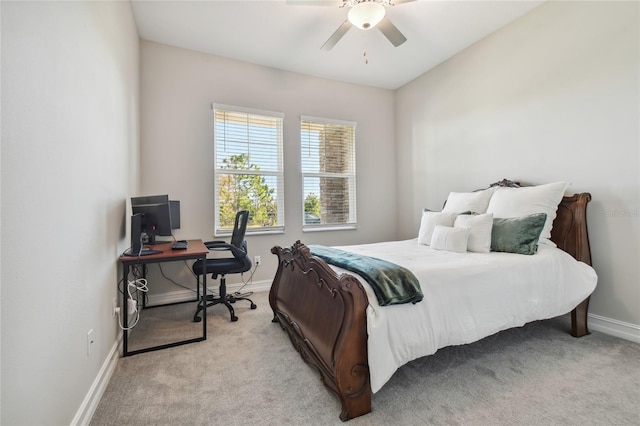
[{"x": 289, "y": 36}]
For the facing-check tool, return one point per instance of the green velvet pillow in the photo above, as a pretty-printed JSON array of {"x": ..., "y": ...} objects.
[{"x": 518, "y": 234}]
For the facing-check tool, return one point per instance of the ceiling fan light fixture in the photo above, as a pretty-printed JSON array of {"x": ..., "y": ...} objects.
[{"x": 366, "y": 14}]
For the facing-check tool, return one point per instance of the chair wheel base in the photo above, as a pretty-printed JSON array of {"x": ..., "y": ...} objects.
[{"x": 225, "y": 299}]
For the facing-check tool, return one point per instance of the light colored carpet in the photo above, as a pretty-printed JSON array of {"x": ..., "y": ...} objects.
[{"x": 248, "y": 373}]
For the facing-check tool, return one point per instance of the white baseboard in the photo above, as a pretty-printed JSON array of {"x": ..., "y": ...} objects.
[
  {"x": 186, "y": 295},
  {"x": 621, "y": 329},
  {"x": 90, "y": 403}
]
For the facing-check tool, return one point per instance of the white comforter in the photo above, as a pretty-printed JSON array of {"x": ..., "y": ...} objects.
[{"x": 467, "y": 296}]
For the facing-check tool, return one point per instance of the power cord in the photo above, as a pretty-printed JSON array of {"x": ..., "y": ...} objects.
[
  {"x": 246, "y": 283},
  {"x": 212, "y": 291},
  {"x": 140, "y": 285},
  {"x": 172, "y": 281},
  {"x": 139, "y": 271}
]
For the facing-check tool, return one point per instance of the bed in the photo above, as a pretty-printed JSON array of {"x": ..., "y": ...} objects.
[{"x": 336, "y": 324}]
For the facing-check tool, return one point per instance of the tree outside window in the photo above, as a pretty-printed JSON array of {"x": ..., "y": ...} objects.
[
  {"x": 245, "y": 192},
  {"x": 248, "y": 173}
]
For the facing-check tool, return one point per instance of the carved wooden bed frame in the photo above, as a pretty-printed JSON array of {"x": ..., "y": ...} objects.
[{"x": 324, "y": 313}]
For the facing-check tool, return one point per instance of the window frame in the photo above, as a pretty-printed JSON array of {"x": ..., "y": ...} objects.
[
  {"x": 277, "y": 174},
  {"x": 351, "y": 177}
]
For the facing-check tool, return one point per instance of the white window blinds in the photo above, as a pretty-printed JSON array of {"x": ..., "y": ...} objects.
[
  {"x": 248, "y": 168},
  {"x": 328, "y": 173}
]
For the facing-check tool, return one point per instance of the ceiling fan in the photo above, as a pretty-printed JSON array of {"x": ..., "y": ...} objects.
[{"x": 365, "y": 15}]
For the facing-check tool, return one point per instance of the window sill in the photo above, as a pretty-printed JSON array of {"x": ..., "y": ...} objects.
[
  {"x": 253, "y": 232},
  {"x": 322, "y": 228}
]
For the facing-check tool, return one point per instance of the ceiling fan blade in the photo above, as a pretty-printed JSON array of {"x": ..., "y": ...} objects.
[
  {"x": 394, "y": 2},
  {"x": 391, "y": 32},
  {"x": 336, "y": 36}
]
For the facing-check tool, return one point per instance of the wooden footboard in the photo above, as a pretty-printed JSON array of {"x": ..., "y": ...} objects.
[{"x": 325, "y": 314}]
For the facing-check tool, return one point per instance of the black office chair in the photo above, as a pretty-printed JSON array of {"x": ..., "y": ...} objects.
[{"x": 222, "y": 266}]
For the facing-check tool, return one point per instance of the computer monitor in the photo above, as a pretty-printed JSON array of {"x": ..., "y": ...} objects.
[
  {"x": 149, "y": 199},
  {"x": 137, "y": 249},
  {"x": 159, "y": 216},
  {"x": 136, "y": 234},
  {"x": 156, "y": 220},
  {"x": 174, "y": 206}
]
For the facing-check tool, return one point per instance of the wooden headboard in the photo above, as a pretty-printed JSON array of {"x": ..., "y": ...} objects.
[{"x": 569, "y": 230}]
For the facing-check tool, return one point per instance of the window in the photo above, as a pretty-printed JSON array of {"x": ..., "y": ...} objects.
[
  {"x": 328, "y": 173},
  {"x": 248, "y": 169}
]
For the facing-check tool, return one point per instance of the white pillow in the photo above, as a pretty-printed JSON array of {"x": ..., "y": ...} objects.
[
  {"x": 450, "y": 239},
  {"x": 429, "y": 221},
  {"x": 517, "y": 202},
  {"x": 480, "y": 227},
  {"x": 476, "y": 202}
]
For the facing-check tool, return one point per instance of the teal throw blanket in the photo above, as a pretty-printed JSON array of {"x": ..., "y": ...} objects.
[{"x": 391, "y": 283}]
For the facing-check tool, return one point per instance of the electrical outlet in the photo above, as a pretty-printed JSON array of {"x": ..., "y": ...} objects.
[
  {"x": 256, "y": 260},
  {"x": 90, "y": 341},
  {"x": 114, "y": 305}
]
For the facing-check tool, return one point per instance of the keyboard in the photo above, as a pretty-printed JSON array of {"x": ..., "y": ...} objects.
[{"x": 180, "y": 245}]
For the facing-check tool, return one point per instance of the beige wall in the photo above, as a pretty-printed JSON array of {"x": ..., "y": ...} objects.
[
  {"x": 178, "y": 87},
  {"x": 553, "y": 96},
  {"x": 69, "y": 160}
]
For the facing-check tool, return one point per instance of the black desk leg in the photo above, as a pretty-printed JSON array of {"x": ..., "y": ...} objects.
[
  {"x": 125, "y": 316},
  {"x": 204, "y": 296},
  {"x": 124, "y": 309}
]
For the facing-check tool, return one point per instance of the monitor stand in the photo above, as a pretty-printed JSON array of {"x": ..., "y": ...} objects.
[
  {"x": 148, "y": 239},
  {"x": 143, "y": 252}
]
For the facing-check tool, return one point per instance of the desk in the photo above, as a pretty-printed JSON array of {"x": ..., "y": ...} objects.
[{"x": 196, "y": 250}]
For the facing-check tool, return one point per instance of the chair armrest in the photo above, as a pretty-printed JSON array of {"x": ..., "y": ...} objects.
[
  {"x": 208, "y": 243},
  {"x": 223, "y": 246},
  {"x": 217, "y": 245}
]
